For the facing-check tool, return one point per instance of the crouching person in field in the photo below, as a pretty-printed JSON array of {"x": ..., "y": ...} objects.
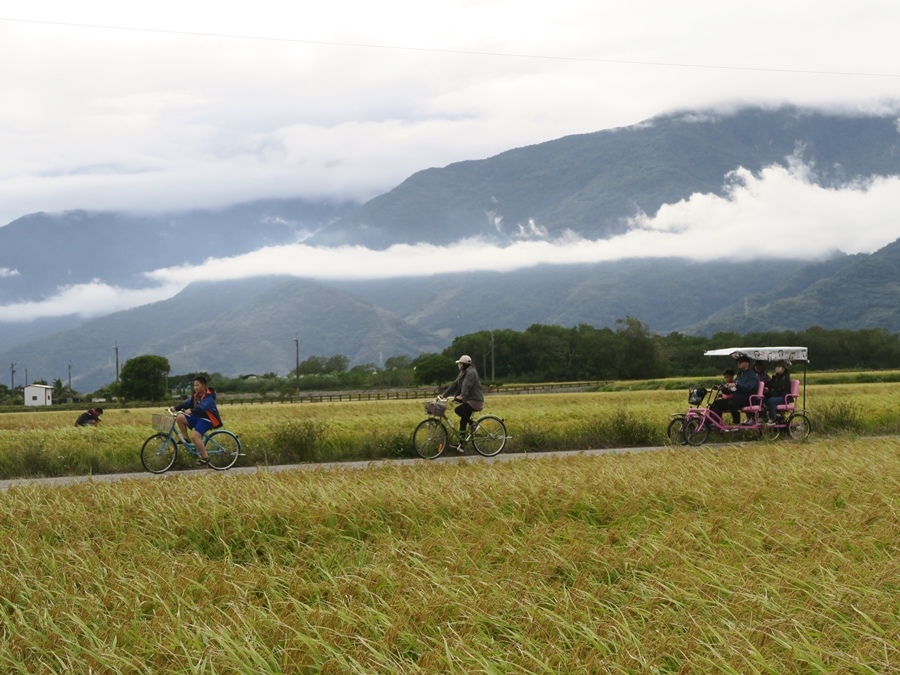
[{"x": 89, "y": 418}]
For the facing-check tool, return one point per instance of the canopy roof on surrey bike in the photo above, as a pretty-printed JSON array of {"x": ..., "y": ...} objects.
[{"x": 787, "y": 354}]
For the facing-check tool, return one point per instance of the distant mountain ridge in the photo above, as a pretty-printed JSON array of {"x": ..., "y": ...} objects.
[
  {"x": 589, "y": 184},
  {"x": 249, "y": 326},
  {"x": 51, "y": 250}
]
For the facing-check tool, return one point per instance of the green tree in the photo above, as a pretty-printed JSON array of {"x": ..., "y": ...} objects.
[
  {"x": 144, "y": 378},
  {"x": 397, "y": 362},
  {"x": 59, "y": 390},
  {"x": 434, "y": 369},
  {"x": 314, "y": 365},
  {"x": 183, "y": 384},
  {"x": 336, "y": 364},
  {"x": 639, "y": 355}
]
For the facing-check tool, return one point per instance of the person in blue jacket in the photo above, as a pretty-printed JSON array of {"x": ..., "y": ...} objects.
[
  {"x": 203, "y": 416},
  {"x": 746, "y": 384}
]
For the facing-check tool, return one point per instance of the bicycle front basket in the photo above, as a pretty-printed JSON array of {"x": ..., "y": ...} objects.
[
  {"x": 436, "y": 408},
  {"x": 162, "y": 422},
  {"x": 696, "y": 395}
]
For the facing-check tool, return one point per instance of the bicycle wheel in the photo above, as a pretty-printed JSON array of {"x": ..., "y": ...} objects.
[
  {"x": 489, "y": 435},
  {"x": 158, "y": 453},
  {"x": 223, "y": 449},
  {"x": 430, "y": 438},
  {"x": 695, "y": 431},
  {"x": 798, "y": 427},
  {"x": 674, "y": 430}
]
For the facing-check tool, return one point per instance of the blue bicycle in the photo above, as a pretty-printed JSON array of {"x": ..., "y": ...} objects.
[{"x": 160, "y": 451}]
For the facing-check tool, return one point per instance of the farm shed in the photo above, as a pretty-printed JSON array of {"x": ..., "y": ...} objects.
[{"x": 38, "y": 394}]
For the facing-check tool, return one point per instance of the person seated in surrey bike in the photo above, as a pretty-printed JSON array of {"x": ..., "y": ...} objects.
[
  {"x": 204, "y": 415},
  {"x": 745, "y": 384},
  {"x": 466, "y": 389},
  {"x": 777, "y": 389},
  {"x": 89, "y": 418},
  {"x": 760, "y": 369},
  {"x": 725, "y": 389}
]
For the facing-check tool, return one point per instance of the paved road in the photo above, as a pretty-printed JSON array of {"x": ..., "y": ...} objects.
[{"x": 110, "y": 478}]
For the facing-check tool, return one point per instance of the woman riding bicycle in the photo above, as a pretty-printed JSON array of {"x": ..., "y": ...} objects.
[{"x": 467, "y": 389}]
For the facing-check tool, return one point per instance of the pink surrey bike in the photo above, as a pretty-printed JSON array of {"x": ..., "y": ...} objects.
[{"x": 791, "y": 420}]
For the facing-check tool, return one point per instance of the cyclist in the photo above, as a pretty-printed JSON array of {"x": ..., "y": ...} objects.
[
  {"x": 466, "y": 389},
  {"x": 204, "y": 415}
]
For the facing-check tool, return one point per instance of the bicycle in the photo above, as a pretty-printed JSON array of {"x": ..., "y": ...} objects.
[
  {"x": 674, "y": 432},
  {"x": 700, "y": 421},
  {"x": 487, "y": 433},
  {"x": 697, "y": 396},
  {"x": 159, "y": 452}
]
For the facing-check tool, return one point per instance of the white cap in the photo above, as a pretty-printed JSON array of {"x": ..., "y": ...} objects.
[{"x": 464, "y": 359}]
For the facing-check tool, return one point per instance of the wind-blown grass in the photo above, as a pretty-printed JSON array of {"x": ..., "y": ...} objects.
[
  {"x": 46, "y": 444},
  {"x": 763, "y": 558}
]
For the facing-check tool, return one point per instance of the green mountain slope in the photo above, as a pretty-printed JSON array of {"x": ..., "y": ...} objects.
[
  {"x": 855, "y": 292},
  {"x": 234, "y": 327},
  {"x": 592, "y": 183},
  {"x": 242, "y": 327}
]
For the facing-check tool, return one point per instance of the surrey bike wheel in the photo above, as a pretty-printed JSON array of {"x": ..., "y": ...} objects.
[
  {"x": 798, "y": 427},
  {"x": 674, "y": 431},
  {"x": 695, "y": 431},
  {"x": 223, "y": 449},
  {"x": 158, "y": 453},
  {"x": 430, "y": 438},
  {"x": 489, "y": 435}
]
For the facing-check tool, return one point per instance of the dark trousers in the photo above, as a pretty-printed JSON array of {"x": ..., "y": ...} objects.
[
  {"x": 464, "y": 410},
  {"x": 735, "y": 404},
  {"x": 732, "y": 404}
]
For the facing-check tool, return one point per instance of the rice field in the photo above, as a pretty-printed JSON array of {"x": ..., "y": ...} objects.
[
  {"x": 45, "y": 443},
  {"x": 753, "y": 558}
]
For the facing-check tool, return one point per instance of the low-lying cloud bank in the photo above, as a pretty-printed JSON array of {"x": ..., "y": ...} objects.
[{"x": 780, "y": 213}]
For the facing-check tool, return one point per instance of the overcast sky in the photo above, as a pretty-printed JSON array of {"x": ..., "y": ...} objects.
[{"x": 165, "y": 105}]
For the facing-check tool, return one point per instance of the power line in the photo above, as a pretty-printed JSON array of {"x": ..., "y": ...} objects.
[{"x": 460, "y": 52}]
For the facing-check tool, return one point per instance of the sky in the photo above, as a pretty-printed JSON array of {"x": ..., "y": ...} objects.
[{"x": 195, "y": 104}]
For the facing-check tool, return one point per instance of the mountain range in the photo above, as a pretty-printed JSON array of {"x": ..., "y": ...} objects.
[{"x": 589, "y": 185}]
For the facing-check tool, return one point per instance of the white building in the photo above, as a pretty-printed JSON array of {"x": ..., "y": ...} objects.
[{"x": 38, "y": 394}]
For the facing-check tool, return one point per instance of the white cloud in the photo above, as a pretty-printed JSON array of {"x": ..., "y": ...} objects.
[
  {"x": 348, "y": 98},
  {"x": 779, "y": 213},
  {"x": 87, "y": 300},
  {"x": 7, "y": 272}
]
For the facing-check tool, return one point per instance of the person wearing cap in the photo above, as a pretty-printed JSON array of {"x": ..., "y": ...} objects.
[
  {"x": 745, "y": 385},
  {"x": 467, "y": 390},
  {"x": 777, "y": 389}
]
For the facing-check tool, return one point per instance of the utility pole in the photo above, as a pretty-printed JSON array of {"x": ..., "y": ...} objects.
[
  {"x": 12, "y": 377},
  {"x": 297, "y": 359},
  {"x": 70, "y": 378},
  {"x": 26, "y": 375},
  {"x": 492, "y": 356},
  {"x": 116, "y": 347}
]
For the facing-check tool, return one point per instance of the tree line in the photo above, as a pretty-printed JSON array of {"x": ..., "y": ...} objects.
[
  {"x": 540, "y": 353},
  {"x": 543, "y": 353}
]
